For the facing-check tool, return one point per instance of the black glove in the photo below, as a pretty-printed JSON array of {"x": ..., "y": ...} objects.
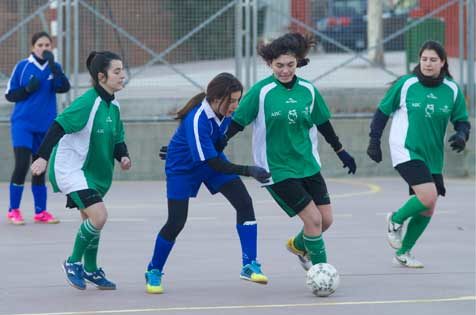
[
  {"x": 258, "y": 173},
  {"x": 48, "y": 56},
  {"x": 458, "y": 141},
  {"x": 374, "y": 151},
  {"x": 163, "y": 152},
  {"x": 348, "y": 161},
  {"x": 33, "y": 85},
  {"x": 221, "y": 144}
]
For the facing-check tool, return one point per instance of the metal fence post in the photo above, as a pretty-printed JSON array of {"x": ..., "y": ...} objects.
[
  {"x": 239, "y": 40},
  {"x": 247, "y": 44},
  {"x": 67, "y": 61},
  {"x": 76, "y": 49},
  {"x": 254, "y": 41},
  {"x": 461, "y": 41},
  {"x": 470, "y": 13}
]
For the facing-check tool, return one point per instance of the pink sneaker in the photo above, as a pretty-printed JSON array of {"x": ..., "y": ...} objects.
[
  {"x": 45, "y": 217},
  {"x": 15, "y": 217}
]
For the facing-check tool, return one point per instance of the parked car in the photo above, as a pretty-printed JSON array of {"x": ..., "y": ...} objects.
[{"x": 346, "y": 23}]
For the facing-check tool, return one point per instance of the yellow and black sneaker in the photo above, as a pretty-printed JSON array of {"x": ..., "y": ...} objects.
[
  {"x": 252, "y": 272},
  {"x": 302, "y": 255},
  {"x": 153, "y": 280}
]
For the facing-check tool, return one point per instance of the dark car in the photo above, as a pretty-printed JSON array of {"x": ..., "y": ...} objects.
[{"x": 346, "y": 23}]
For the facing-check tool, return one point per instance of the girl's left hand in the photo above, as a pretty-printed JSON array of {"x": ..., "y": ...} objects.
[{"x": 125, "y": 163}]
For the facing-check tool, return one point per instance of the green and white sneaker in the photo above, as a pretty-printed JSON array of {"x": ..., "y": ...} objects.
[
  {"x": 394, "y": 232},
  {"x": 408, "y": 260}
]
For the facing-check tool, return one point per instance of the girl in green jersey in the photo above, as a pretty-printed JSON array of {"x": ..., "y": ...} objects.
[
  {"x": 422, "y": 104},
  {"x": 85, "y": 139},
  {"x": 286, "y": 112}
]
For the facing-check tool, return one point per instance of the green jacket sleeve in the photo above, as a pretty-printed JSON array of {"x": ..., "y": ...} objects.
[
  {"x": 248, "y": 108},
  {"x": 75, "y": 117},
  {"x": 459, "y": 112},
  {"x": 320, "y": 112},
  {"x": 391, "y": 100}
]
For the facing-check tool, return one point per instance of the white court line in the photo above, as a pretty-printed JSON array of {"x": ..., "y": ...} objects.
[
  {"x": 371, "y": 189},
  {"x": 268, "y": 306}
]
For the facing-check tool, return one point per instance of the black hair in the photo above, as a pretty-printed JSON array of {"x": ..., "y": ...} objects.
[
  {"x": 99, "y": 62},
  {"x": 39, "y": 35},
  {"x": 440, "y": 51},
  {"x": 220, "y": 87},
  {"x": 291, "y": 43}
]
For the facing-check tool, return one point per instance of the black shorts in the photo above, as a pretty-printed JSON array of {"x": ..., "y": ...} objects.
[
  {"x": 294, "y": 194},
  {"x": 415, "y": 172},
  {"x": 82, "y": 199}
]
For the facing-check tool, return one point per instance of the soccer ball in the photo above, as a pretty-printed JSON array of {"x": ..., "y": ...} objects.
[{"x": 323, "y": 279}]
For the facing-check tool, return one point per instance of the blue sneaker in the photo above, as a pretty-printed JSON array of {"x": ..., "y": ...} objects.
[
  {"x": 252, "y": 272},
  {"x": 75, "y": 274},
  {"x": 98, "y": 278},
  {"x": 153, "y": 279}
]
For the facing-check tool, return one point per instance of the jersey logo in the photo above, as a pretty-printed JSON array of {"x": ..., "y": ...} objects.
[
  {"x": 276, "y": 114},
  {"x": 416, "y": 104},
  {"x": 429, "y": 110},
  {"x": 291, "y": 101},
  {"x": 445, "y": 109},
  {"x": 432, "y": 96},
  {"x": 50, "y": 77},
  {"x": 292, "y": 116},
  {"x": 100, "y": 130},
  {"x": 108, "y": 119}
]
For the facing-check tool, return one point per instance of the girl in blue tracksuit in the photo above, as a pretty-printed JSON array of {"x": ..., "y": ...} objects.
[
  {"x": 33, "y": 87},
  {"x": 194, "y": 156}
]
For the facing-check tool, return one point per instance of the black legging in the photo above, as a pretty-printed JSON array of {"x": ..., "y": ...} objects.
[
  {"x": 234, "y": 191},
  {"x": 22, "y": 165}
]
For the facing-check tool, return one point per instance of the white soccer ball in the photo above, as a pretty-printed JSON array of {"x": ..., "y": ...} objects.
[{"x": 323, "y": 279}]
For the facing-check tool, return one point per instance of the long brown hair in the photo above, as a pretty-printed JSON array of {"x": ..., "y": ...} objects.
[{"x": 220, "y": 87}]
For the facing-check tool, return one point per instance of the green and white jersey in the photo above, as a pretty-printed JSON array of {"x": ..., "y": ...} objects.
[
  {"x": 84, "y": 157},
  {"x": 284, "y": 131},
  {"x": 420, "y": 119}
]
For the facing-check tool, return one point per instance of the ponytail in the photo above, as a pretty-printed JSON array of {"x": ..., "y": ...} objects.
[
  {"x": 99, "y": 62},
  {"x": 194, "y": 101}
]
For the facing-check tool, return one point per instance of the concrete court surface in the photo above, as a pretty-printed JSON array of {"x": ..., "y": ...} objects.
[{"x": 201, "y": 276}]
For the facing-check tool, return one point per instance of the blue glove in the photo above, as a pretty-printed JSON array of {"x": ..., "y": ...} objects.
[
  {"x": 32, "y": 85},
  {"x": 374, "y": 151},
  {"x": 221, "y": 144},
  {"x": 458, "y": 141},
  {"x": 163, "y": 152},
  {"x": 348, "y": 161},
  {"x": 258, "y": 173}
]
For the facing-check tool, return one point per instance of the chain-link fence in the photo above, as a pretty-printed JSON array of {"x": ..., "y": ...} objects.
[{"x": 172, "y": 48}]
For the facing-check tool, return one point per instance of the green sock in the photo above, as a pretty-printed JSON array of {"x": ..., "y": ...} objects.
[
  {"x": 298, "y": 241},
  {"x": 315, "y": 248},
  {"x": 412, "y": 207},
  {"x": 91, "y": 254},
  {"x": 416, "y": 226},
  {"x": 84, "y": 236}
]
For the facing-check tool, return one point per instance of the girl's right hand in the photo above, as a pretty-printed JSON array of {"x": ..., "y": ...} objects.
[
  {"x": 38, "y": 167},
  {"x": 258, "y": 173}
]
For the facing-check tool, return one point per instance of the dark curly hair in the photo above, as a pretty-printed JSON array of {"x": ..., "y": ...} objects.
[{"x": 291, "y": 43}]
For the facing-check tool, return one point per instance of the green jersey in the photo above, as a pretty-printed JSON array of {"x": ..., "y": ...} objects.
[
  {"x": 84, "y": 157},
  {"x": 420, "y": 119},
  {"x": 284, "y": 131}
]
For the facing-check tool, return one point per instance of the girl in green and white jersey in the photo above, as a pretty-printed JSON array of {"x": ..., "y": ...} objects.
[
  {"x": 85, "y": 139},
  {"x": 286, "y": 112},
  {"x": 422, "y": 104}
]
